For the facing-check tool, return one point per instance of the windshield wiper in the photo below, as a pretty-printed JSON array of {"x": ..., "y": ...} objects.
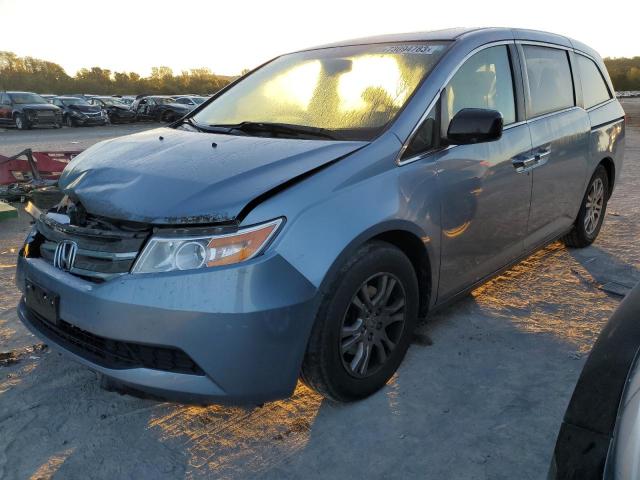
[
  {"x": 201, "y": 128},
  {"x": 284, "y": 128}
]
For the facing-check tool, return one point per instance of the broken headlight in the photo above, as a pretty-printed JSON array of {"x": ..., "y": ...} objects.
[{"x": 164, "y": 254}]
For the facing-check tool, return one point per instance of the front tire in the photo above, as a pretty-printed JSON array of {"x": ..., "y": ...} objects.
[
  {"x": 69, "y": 122},
  {"x": 21, "y": 123},
  {"x": 364, "y": 324},
  {"x": 591, "y": 215}
]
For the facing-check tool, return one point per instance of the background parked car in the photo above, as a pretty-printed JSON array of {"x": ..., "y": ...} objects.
[
  {"x": 159, "y": 108},
  {"x": 26, "y": 110},
  {"x": 77, "y": 111},
  {"x": 191, "y": 101},
  {"x": 48, "y": 97},
  {"x": 117, "y": 111}
]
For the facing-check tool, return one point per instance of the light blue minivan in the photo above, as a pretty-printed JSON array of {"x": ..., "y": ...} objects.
[{"x": 301, "y": 221}]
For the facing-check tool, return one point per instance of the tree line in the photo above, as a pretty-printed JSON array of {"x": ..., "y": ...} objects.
[
  {"x": 35, "y": 75},
  {"x": 624, "y": 72}
]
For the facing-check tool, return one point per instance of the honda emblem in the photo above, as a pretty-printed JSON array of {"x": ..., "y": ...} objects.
[{"x": 65, "y": 255}]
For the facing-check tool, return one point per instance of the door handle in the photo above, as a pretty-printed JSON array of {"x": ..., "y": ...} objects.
[
  {"x": 542, "y": 156},
  {"x": 522, "y": 164}
]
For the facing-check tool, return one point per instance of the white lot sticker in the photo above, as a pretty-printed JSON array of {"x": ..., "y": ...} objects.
[{"x": 414, "y": 49}]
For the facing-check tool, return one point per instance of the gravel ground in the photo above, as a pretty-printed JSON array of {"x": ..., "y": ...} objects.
[{"x": 480, "y": 395}]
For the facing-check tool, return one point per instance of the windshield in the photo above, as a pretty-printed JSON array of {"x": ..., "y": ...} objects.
[
  {"x": 354, "y": 90},
  {"x": 23, "y": 98},
  {"x": 74, "y": 101},
  {"x": 197, "y": 100}
]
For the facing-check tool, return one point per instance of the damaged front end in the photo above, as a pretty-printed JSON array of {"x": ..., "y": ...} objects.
[{"x": 98, "y": 249}]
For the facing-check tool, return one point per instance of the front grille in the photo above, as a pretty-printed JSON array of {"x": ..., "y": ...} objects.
[
  {"x": 101, "y": 255},
  {"x": 115, "y": 354},
  {"x": 42, "y": 116}
]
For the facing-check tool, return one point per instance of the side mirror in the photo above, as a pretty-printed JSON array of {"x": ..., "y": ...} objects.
[{"x": 475, "y": 125}]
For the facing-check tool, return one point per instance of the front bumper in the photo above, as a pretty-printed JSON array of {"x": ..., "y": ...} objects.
[
  {"x": 41, "y": 121},
  {"x": 246, "y": 327}
]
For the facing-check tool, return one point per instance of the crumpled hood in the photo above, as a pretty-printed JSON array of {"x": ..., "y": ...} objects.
[
  {"x": 168, "y": 176},
  {"x": 84, "y": 108}
]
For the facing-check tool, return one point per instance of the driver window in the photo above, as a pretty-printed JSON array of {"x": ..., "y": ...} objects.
[{"x": 483, "y": 81}]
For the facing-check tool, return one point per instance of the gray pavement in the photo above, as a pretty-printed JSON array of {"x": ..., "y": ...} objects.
[{"x": 480, "y": 395}]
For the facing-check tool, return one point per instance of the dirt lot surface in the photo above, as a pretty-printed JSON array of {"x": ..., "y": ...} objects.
[{"x": 480, "y": 395}]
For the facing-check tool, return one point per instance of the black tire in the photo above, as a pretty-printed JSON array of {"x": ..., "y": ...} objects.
[
  {"x": 585, "y": 231},
  {"x": 324, "y": 368},
  {"x": 21, "y": 122},
  {"x": 69, "y": 122}
]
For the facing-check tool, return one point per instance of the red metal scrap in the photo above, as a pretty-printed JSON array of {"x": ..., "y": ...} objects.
[{"x": 48, "y": 166}]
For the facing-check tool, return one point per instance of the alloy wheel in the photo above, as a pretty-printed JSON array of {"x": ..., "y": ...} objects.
[
  {"x": 594, "y": 204},
  {"x": 372, "y": 325}
]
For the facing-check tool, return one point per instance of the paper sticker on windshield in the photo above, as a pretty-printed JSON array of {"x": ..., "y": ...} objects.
[{"x": 413, "y": 49}]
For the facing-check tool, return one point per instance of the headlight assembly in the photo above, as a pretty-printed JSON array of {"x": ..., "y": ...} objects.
[{"x": 164, "y": 254}]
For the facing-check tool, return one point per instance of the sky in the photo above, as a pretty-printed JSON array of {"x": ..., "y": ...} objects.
[{"x": 229, "y": 36}]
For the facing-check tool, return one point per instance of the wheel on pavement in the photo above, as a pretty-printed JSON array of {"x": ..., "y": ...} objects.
[
  {"x": 364, "y": 324},
  {"x": 592, "y": 211},
  {"x": 21, "y": 123}
]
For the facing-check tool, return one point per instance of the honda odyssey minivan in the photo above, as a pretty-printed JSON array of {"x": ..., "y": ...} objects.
[{"x": 300, "y": 222}]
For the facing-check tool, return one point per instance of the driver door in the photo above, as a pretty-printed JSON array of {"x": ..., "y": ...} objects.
[{"x": 485, "y": 197}]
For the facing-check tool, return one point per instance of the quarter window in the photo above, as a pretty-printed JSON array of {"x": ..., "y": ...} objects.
[
  {"x": 594, "y": 88},
  {"x": 483, "y": 81},
  {"x": 425, "y": 137},
  {"x": 550, "y": 82}
]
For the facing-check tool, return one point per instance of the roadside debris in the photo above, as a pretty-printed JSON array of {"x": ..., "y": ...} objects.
[
  {"x": 15, "y": 356},
  {"x": 33, "y": 175}
]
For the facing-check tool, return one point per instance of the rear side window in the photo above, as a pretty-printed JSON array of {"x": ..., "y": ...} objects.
[
  {"x": 594, "y": 88},
  {"x": 550, "y": 82},
  {"x": 483, "y": 81}
]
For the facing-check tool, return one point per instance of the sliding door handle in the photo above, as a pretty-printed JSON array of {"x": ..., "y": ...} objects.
[{"x": 521, "y": 164}]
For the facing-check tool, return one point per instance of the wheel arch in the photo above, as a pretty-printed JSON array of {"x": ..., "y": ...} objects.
[
  {"x": 610, "y": 168},
  {"x": 409, "y": 239}
]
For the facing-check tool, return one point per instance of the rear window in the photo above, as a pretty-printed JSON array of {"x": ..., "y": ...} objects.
[
  {"x": 594, "y": 88},
  {"x": 550, "y": 82}
]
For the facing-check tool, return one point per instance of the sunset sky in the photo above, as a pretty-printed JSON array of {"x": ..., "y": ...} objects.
[{"x": 232, "y": 35}]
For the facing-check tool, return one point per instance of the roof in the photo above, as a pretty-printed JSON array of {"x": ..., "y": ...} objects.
[
  {"x": 444, "y": 34},
  {"x": 478, "y": 33}
]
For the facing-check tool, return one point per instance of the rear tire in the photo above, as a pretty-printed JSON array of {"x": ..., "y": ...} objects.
[
  {"x": 591, "y": 214},
  {"x": 69, "y": 122},
  {"x": 351, "y": 354}
]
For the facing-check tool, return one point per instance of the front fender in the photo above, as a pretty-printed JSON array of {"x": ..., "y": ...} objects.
[{"x": 333, "y": 212}]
